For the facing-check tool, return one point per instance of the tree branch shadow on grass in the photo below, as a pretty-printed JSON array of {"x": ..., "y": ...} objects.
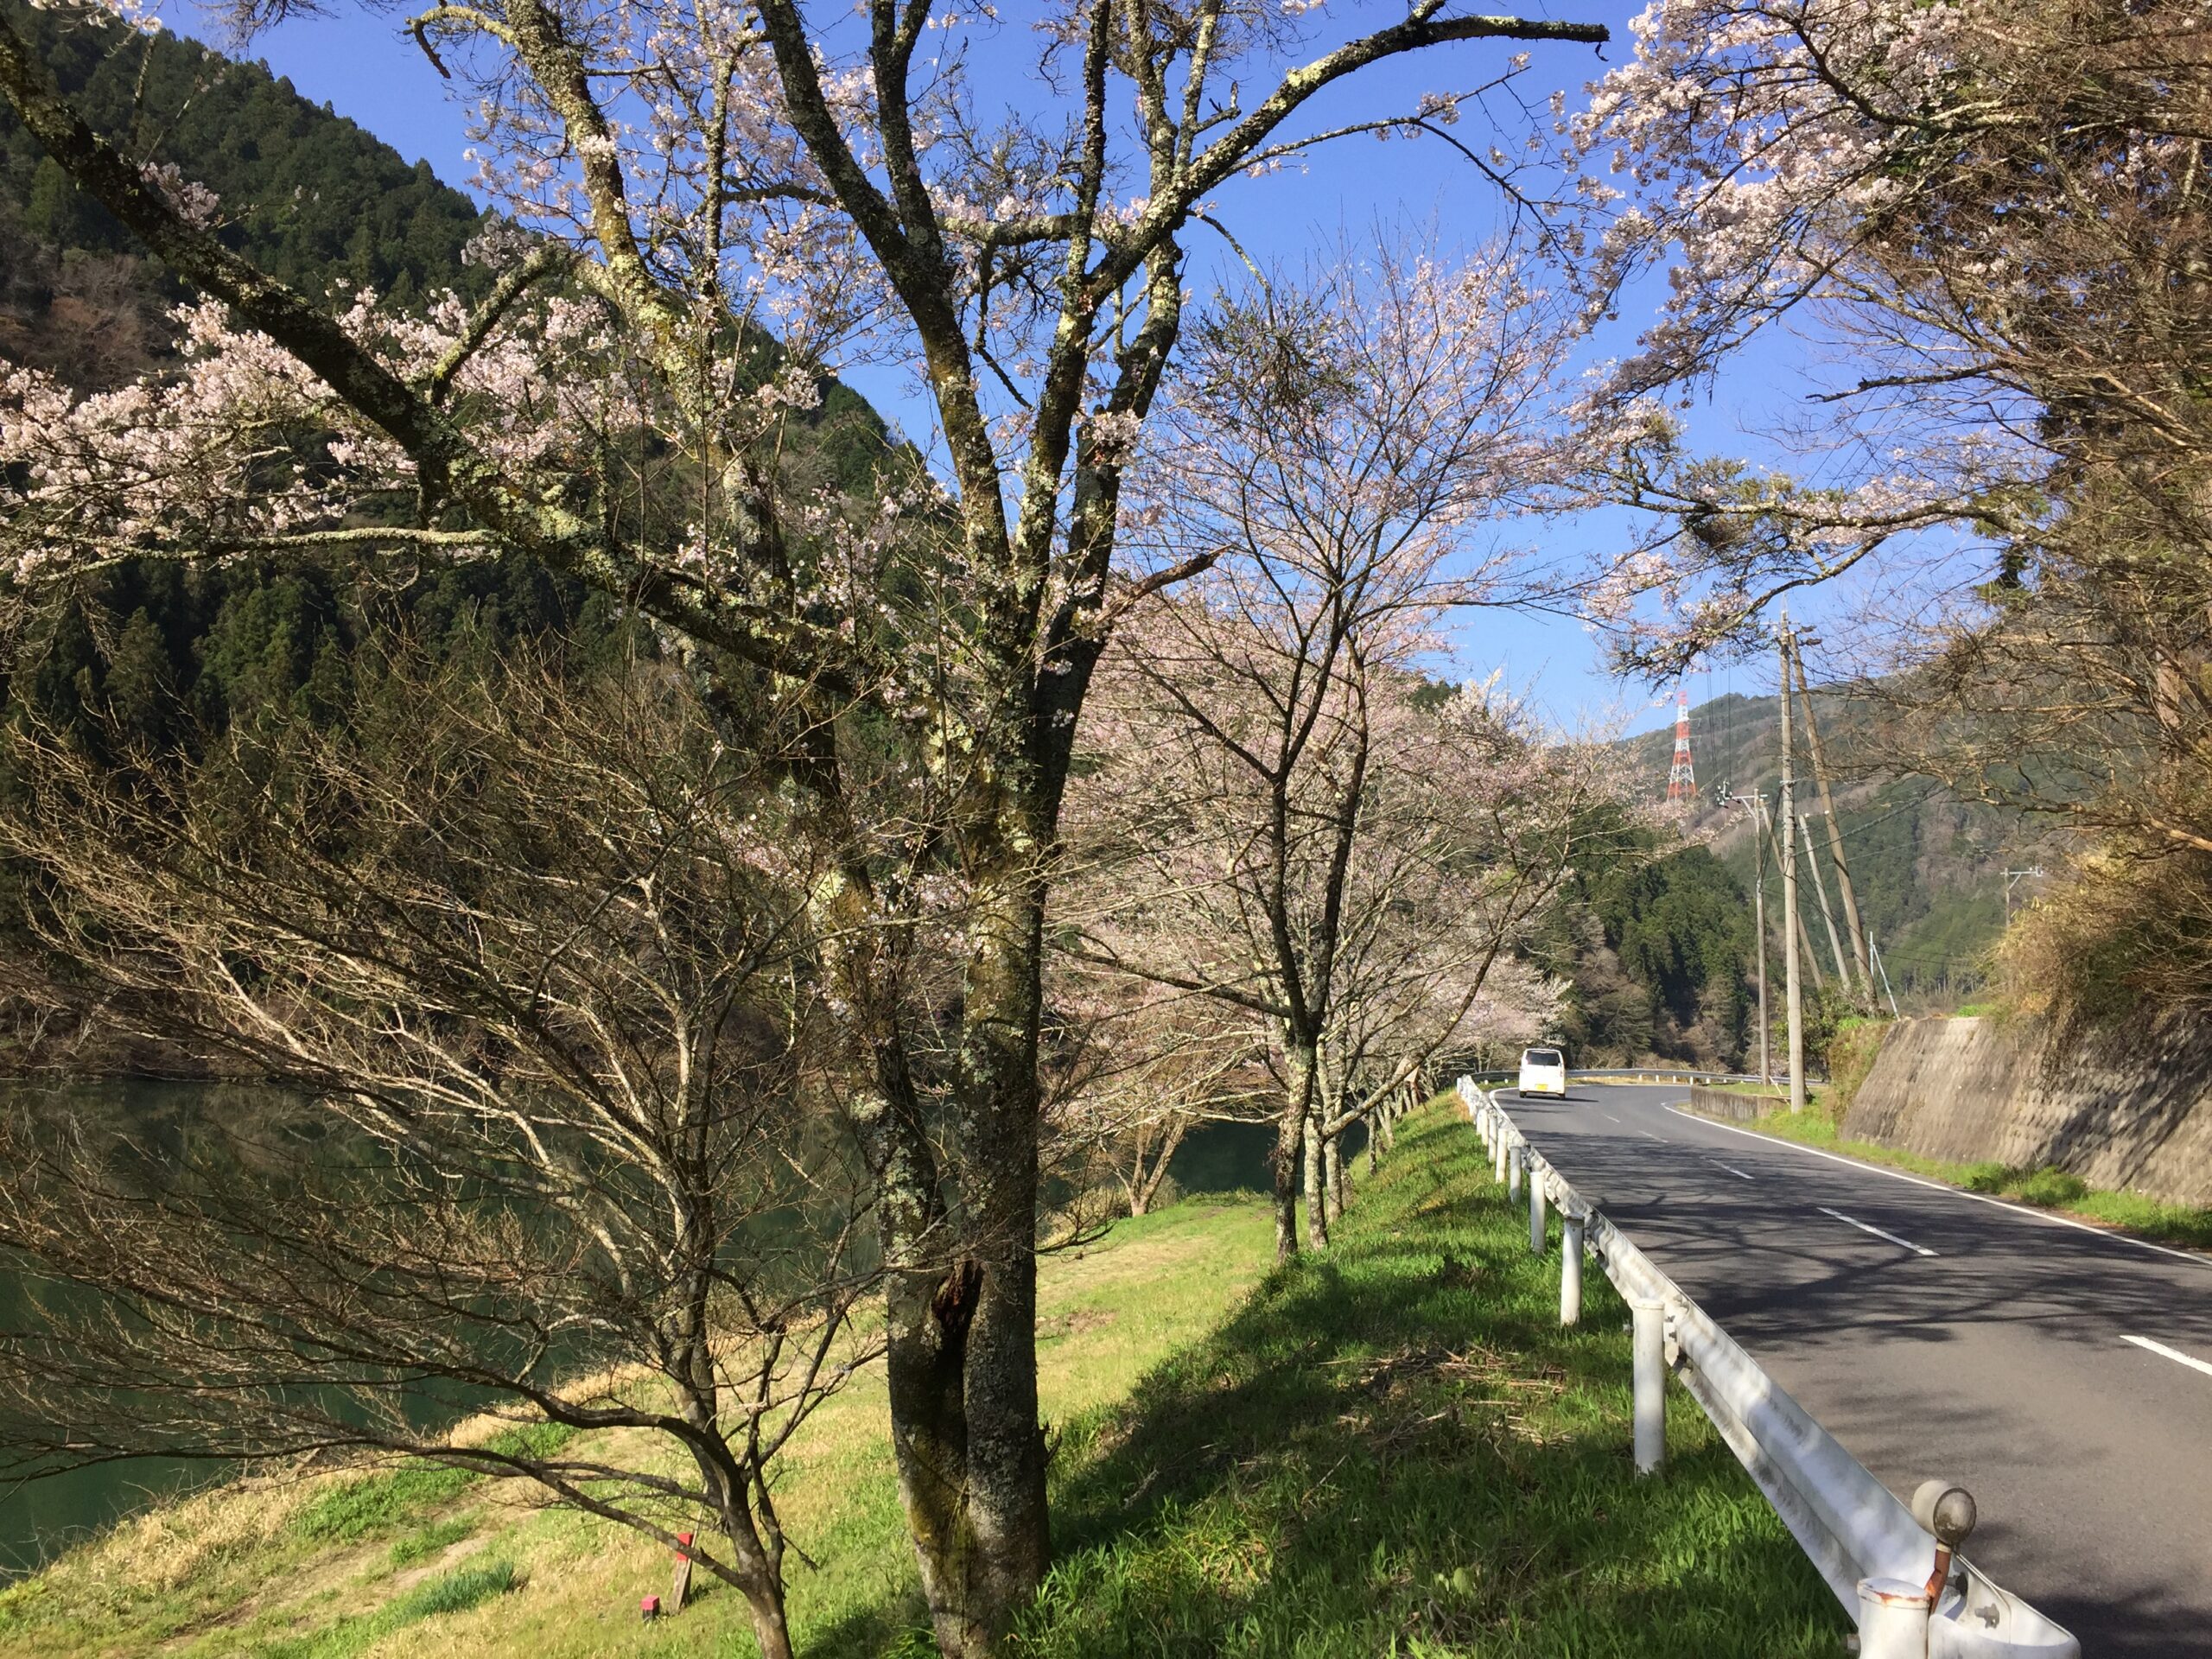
[{"x": 1396, "y": 1448}]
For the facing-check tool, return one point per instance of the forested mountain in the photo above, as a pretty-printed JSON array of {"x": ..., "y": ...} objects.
[
  {"x": 161, "y": 654},
  {"x": 1661, "y": 951},
  {"x": 1927, "y": 868},
  {"x": 304, "y": 194},
  {"x": 1656, "y": 948},
  {"x": 315, "y": 199}
]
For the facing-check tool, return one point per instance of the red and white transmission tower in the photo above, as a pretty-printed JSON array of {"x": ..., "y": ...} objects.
[{"x": 1681, "y": 777}]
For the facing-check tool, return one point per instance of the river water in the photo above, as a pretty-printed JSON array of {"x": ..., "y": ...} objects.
[{"x": 39, "y": 1519}]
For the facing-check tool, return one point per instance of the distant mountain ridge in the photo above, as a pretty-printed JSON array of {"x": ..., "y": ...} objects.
[
  {"x": 1927, "y": 868},
  {"x": 305, "y": 195}
]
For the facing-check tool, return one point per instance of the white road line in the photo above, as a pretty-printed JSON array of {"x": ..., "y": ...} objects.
[
  {"x": 1647, "y": 1135},
  {"x": 2028, "y": 1211},
  {"x": 1609, "y": 1117},
  {"x": 1868, "y": 1227},
  {"x": 1733, "y": 1170},
  {"x": 2171, "y": 1353}
]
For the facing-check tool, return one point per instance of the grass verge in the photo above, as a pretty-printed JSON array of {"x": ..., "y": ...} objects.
[
  {"x": 1390, "y": 1449},
  {"x": 2047, "y": 1188},
  {"x": 1395, "y": 1449}
]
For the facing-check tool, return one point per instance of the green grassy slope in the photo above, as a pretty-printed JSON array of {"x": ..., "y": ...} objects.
[
  {"x": 1391, "y": 1448},
  {"x": 1394, "y": 1448},
  {"x": 2047, "y": 1188}
]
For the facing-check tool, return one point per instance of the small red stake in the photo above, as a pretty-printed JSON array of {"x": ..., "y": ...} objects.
[{"x": 682, "y": 1587}]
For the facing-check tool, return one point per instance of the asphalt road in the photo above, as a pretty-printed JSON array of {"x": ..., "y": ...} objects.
[{"x": 1937, "y": 1333}]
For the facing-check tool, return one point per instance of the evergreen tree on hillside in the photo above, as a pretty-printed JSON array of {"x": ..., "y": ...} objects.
[
  {"x": 1657, "y": 949},
  {"x": 306, "y": 195},
  {"x": 147, "y": 649}
]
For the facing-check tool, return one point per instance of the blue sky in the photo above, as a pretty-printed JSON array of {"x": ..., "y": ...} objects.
[{"x": 363, "y": 66}]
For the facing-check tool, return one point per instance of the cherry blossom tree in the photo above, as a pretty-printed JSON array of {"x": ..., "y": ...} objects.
[
  {"x": 1444, "y": 887},
  {"x": 1984, "y": 211},
  {"x": 1351, "y": 904},
  {"x": 1133, "y": 1067},
  {"x": 1268, "y": 778},
  {"x": 693, "y": 174}
]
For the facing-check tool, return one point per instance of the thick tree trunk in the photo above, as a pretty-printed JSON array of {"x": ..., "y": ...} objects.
[
  {"x": 1332, "y": 1176},
  {"x": 1006, "y": 1541},
  {"x": 1317, "y": 1209},
  {"x": 1290, "y": 1139},
  {"x": 960, "y": 1295},
  {"x": 1289, "y": 1135},
  {"x": 770, "y": 1628}
]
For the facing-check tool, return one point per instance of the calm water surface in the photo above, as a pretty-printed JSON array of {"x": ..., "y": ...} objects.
[{"x": 39, "y": 1519}]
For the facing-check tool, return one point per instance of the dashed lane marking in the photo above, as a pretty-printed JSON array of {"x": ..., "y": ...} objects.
[
  {"x": 2202, "y": 1261},
  {"x": 2174, "y": 1354},
  {"x": 1868, "y": 1227}
]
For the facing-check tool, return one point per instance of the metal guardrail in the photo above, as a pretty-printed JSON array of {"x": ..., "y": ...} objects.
[
  {"x": 1646, "y": 1074},
  {"x": 1895, "y": 1568}
]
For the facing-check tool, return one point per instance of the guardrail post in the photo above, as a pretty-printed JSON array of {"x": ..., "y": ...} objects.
[
  {"x": 1650, "y": 1344},
  {"x": 1498, "y": 1155},
  {"x": 1535, "y": 1207},
  {"x": 1892, "y": 1619},
  {"x": 1514, "y": 1158},
  {"x": 1570, "y": 1267}
]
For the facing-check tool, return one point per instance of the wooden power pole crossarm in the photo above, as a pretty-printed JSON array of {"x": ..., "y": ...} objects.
[{"x": 1854, "y": 929}]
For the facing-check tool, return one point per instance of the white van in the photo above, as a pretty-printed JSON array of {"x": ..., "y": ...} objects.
[{"x": 1544, "y": 1072}]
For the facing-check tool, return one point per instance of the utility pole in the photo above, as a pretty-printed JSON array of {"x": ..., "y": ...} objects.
[
  {"x": 1844, "y": 889},
  {"x": 1821, "y": 892},
  {"x": 1756, "y": 804},
  {"x": 2033, "y": 872},
  {"x": 1792, "y": 992},
  {"x": 1806, "y": 954},
  {"x": 1877, "y": 951}
]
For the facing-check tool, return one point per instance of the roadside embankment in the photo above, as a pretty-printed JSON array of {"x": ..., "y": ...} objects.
[
  {"x": 2127, "y": 1112},
  {"x": 1392, "y": 1446}
]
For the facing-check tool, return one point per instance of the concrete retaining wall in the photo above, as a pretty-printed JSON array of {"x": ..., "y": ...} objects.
[
  {"x": 1734, "y": 1108},
  {"x": 2129, "y": 1110}
]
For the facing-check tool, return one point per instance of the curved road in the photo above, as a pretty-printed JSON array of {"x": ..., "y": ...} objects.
[{"x": 2061, "y": 1373}]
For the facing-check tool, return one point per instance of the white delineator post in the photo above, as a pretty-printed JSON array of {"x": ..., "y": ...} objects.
[
  {"x": 1650, "y": 1344},
  {"x": 1570, "y": 1267},
  {"x": 1500, "y": 1154},
  {"x": 1535, "y": 1207},
  {"x": 1514, "y": 1160}
]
